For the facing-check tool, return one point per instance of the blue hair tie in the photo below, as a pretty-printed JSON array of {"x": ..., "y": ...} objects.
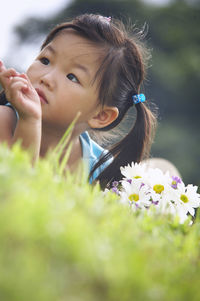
[{"x": 138, "y": 98}]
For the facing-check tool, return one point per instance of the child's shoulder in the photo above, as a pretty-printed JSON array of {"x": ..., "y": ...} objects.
[
  {"x": 92, "y": 152},
  {"x": 90, "y": 148}
]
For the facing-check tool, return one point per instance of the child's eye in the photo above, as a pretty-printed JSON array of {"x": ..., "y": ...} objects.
[
  {"x": 44, "y": 61},
  {"x": 73, "y": 78}
]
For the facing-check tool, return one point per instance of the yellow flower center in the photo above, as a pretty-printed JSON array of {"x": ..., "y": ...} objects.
[
  {"x": 137, "y": 177},
  {"x": 184, "y": 198},
  {"x": 158, "y": 188},
  {"x": 134, "y": 197},
  {"x": 174, "y": 182}
]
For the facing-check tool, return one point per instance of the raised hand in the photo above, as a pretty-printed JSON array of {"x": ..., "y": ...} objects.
[
  {"x": 24, "y": 98},
  {"x": 20, "y": 93}
]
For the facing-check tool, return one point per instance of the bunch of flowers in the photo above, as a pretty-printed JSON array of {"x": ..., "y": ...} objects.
[{"x": 143, "y": 187}]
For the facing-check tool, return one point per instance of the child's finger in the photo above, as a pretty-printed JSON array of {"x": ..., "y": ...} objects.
[
  {"x": 23, "y": 79},
  {"x": 6, "y": 76},
  {"x": 2, "y": 67},
  {"x": 24, "y": 75},
  {"x": 9, "y": 72},
  {"x": 18, "y": 79},
  {"x": 18, "y": 85},
  {"x": 16, "y": 91}
]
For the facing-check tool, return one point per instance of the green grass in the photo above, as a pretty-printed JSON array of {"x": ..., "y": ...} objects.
[{"x": 63, "y": 239}]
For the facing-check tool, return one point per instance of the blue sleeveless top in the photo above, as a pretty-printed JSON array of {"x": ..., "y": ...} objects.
[{"x": 92, "y": 152}]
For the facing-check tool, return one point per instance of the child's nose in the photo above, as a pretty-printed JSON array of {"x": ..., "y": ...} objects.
[{"x": 47, "y": 79}]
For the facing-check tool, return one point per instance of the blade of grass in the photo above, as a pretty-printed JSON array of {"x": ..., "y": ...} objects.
[
  {"x": 63, "y": 163},
  {"x": 58, "y": 150},
  {"x": 64, "y": 140}
]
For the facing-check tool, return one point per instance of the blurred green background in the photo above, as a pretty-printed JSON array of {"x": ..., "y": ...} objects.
[{"x": 173, "y": 81}]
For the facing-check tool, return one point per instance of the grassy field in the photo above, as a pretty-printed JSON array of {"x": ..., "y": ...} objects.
[{"x": 62, "y": 239}]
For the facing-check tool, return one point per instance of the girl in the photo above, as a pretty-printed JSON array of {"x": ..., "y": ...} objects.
[{"x": 89, "y": 65}]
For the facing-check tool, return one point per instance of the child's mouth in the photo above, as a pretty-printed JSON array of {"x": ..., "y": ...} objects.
[{"x": 41, "y": 95}]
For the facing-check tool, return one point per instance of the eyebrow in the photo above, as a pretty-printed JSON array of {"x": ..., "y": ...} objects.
[
  {"x": 76, "y": 65},
  {"x": 82, "y": 67},
  {"x": 51, "y": 49}
]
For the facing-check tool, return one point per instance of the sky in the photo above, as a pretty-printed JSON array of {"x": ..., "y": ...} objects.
[{"x": 13, "y": 12}]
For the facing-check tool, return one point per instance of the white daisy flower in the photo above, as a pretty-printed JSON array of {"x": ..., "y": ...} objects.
[
  {"x": 135, "y": 194},
  {"x": 187, "y": 199},
  {"x": 142, "y": 187},
  {"x": 134, "y": 171},
  {"x": 159, "y": 183}
]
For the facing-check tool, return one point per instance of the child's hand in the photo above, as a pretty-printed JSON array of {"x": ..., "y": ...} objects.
[{"x": 20, "y": 93}]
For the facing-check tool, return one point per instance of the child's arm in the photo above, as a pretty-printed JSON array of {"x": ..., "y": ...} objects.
[
  {"x": 21, "y": 94},
  {"x": 8, "y": 122}
]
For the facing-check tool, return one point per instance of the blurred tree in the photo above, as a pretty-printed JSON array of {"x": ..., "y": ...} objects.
[
  {"x": 31, "y": 27},
  {"x": 175, "y": 36},
  {"x": 173, "y": 80},
  {"x": 175, "y": 76}
]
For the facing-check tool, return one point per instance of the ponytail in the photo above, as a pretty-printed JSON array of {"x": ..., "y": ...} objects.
[{"x": 132, "y": 148}]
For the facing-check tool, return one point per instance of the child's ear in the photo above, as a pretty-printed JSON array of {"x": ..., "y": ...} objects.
[{"x": 104, "y": 117}]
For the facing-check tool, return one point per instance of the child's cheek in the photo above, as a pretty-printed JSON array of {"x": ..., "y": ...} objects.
[{"x": 32, "y": 72}]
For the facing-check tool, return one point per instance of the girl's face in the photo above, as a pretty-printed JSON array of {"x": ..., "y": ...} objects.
[{"x": 62, "y": 75}]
